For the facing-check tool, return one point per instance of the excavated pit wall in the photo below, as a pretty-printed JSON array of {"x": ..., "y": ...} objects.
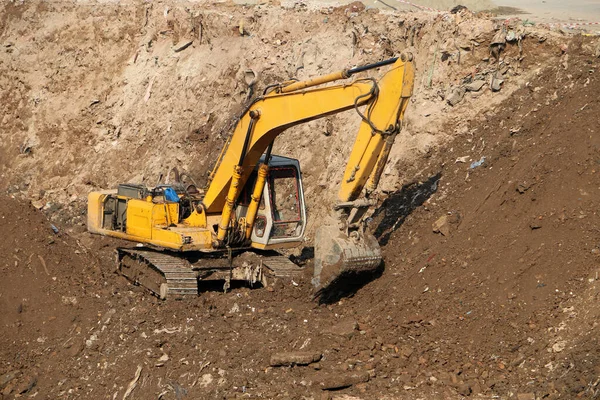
[{"x": 93, "y": 94}]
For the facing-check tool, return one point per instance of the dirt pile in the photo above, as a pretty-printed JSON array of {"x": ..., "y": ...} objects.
[
  {"x": 46, "y": 296},
  {"x": 496, "y": 300}
]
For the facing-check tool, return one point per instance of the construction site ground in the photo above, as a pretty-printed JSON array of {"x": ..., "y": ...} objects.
[{"x": 488, "y": 215}]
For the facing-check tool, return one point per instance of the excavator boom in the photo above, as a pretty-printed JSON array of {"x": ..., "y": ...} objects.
[{"x": 293, "y": 105}]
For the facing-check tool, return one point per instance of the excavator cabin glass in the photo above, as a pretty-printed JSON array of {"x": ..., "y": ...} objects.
[{"x": 285, "y": 202}]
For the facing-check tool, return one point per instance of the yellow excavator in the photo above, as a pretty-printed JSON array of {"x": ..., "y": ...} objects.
[{"x": 253, "y": 203}]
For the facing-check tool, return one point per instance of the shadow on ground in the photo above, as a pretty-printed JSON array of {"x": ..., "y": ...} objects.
[{"x": 400, "y": 204}]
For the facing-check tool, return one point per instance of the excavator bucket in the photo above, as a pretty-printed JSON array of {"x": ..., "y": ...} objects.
[{"x": 337, "y": 255}]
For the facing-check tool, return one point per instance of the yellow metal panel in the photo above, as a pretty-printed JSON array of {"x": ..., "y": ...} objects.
[
  {"x": 196, "y": 220},
  {"x": 139, "y": 218},
  {"x": 166, "y": 238},
  {"x": 165, "y": 213}
]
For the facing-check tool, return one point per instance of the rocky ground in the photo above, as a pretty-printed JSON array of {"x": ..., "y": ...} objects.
[{"x": 488, "y": 216}]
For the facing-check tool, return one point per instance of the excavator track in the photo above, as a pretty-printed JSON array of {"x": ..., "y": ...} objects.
[{"x": 163, "y": 274}]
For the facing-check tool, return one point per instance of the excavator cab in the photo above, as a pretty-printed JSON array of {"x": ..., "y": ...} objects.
[{"x": 281, "y": 216}]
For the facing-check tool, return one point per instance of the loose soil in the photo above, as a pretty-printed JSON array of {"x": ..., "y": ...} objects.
[{"x": 500, "y": 302}]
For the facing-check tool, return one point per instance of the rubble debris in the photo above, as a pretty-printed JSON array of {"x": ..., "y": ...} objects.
[
  {"x": 8, "y": 377},
  {"x": 43, "y": 262},
  {"x": 132, "y": 385},
  {"x": 496, "y": 82},
  {"x": 457, "y": 9},
  {"x": 38, "y": 204},
  {"x": 456, "y": 96},
  {"x": 536, "y": 224},
  {"x": 162, "y": 360},
  {"x": 475, "y": 86},
  {"x": 345, "y": 328},
  {"x": 441, "y": 225},
  {"x": 27, "y": 383},
  {"x": 290, "y": 359},
  {"x": 498, "y": 44}
]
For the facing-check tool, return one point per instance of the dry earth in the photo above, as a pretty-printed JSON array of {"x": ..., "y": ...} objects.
[{"x": 501, "y": 302}]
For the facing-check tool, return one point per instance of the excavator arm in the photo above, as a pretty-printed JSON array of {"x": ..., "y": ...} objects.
[{"x": 270, "y": 115}]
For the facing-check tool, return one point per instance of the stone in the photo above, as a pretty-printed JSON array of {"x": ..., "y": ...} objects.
[
  {"x": 559, "y": 346},
  {"x": 346, "y": 328},
  {"x": 406, "y": 351},
  {"x": 182, "y": 45},
  {"x": 496, "y": 83},
  {"x": 463, "y": 389},
  {"x": 456, "y": 96},
  {"x": 27, "y": 384},
  {"x": 341, "y": 380},
  {"x": 442, "y": 226},
  {"x": 75, "y": 349},
  {"x": 8, "y": 377},
  {"x": 475, "y": 86},
  {"x": 294, "y": 358}
]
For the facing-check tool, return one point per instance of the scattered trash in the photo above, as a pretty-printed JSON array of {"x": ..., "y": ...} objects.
[
  {"x": 498, "y": 44},
  {"x": 476, "y": 164},
  {"x": 462, "y": 159},
  {"x": 54, "y": 228}
]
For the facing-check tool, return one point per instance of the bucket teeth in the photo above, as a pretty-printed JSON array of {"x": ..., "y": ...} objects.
[{"x": 337, "y": 255}]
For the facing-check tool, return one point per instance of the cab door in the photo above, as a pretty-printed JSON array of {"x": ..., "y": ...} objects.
[{"x": 281, "y": 218}]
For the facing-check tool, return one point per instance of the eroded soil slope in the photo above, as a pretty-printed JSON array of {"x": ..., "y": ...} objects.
[{"x": 95, "y": 94}]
